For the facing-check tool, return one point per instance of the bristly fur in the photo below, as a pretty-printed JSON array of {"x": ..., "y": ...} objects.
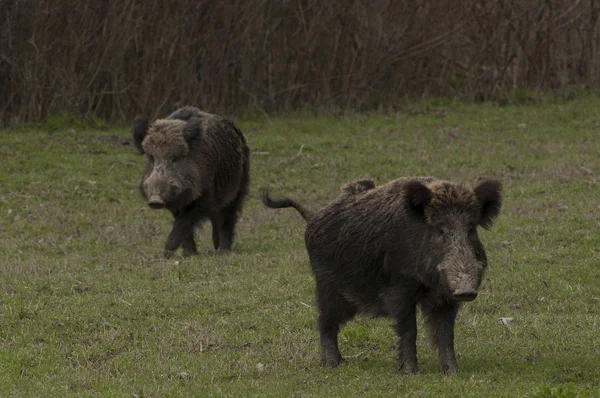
[
  {"x": 358, "y": 186},
  {"x": 384, "y": 250},
  {"x": 199, "y": 165}
]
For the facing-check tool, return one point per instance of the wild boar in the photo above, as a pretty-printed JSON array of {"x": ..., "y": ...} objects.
[
  {"x": 198, "y": 168},
  {"x": 382, "y": 251}
]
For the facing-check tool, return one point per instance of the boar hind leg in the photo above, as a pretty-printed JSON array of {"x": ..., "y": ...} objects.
[
  {"x": 217, "y": 227},
  {"x": 229, "y": 219},
  {"x": 333, "y": 312},
  {"x": 221, "y": 239},
  {"x": 227, "y": 231},
  {"x": 442, "y": 320}
]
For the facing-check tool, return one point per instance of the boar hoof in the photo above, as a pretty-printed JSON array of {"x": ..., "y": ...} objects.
[
  {"x": 450, "y": 369},
  {"x": 408, "y": 367},
  {"x": 331, "y": 360},
  {"x": 225, "y": 246},
  {"x": 168, "y": 253},
  {"x": 189, "y": 252}
]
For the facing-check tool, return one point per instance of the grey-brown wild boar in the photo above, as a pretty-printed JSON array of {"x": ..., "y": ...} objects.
[
  {"x": 198, "y": 168},
  {"x": 385, "y": 250}
]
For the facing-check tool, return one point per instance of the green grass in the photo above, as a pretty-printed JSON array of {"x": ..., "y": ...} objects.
[{"x": 89, "y": 307}]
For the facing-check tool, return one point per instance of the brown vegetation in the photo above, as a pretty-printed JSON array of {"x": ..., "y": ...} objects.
[{"x": 120, "y": 58}]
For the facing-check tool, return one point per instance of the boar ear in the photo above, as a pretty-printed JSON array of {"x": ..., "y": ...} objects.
[
  {"x": 140, "y": 129},
  {"x": 417, "y": 196},
  {"x": 192, "y": 131},
  {"x": 489, "y": 194}
]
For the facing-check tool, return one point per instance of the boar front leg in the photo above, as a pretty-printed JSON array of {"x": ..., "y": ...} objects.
[
  {"x": 182, "y": 233},
  {"x": 442, "y": 332},
  {"x": 189, "y": 245},
  {"x": 401, "y": 303},
  {"x": 406, "y": 328}
]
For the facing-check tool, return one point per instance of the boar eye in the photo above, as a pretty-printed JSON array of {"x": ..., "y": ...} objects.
[
  {"x": 151, "y": 158},
  {"x": 442, "y": 230}
]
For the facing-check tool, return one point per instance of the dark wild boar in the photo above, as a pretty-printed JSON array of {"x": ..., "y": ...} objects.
[
  {"x": 198, "y": 168},
  {"x": 382, "y": 251}
]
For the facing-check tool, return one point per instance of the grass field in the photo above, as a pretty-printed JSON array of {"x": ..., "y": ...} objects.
[{"x": 88, "y": 306}]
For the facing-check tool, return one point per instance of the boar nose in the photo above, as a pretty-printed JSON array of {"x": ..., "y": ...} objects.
[
  {"x": 155, "y": 202},
  {"x": 465, "y": 295}
]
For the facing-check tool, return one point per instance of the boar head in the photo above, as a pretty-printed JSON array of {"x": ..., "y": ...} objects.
[
  {"x": 171, "y": 177},
  {"x": 448, "y": 213}
]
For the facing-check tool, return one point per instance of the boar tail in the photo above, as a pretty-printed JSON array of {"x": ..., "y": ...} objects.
[{"x": 283, "y": 203}]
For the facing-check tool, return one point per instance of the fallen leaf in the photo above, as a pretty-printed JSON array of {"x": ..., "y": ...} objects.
[
  {"x": 585, "y": 170},
  {"x": 183, "y": 376}
]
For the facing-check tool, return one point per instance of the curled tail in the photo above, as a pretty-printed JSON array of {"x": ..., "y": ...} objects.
[{"x": 283, "y": 203}]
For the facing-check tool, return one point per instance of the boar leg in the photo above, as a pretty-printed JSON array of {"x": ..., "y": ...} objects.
[
  {"x": 229, "y": 217},
  {"x": 172, "y": 243},
  {"x": 217, "y": 222},
  {"x": 175, "y": 236},
  {"x": 182, "y": 233},
  {"x": 406, "y": 328},
  {"x": 220, "y": 236},
  {"x": 442, "y": 333},
  {"x": 333, "y": 311},
  {"x": 189, "y": 245},
  {"x": 227, "y": 228}
]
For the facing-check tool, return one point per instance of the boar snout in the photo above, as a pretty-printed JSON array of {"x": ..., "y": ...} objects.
[
  {"x": 156, "y": 202},
  {"x": 160, "y": 192},
  {"x": 465, "y": 295},
  {"x": 465, "y": 289}
]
